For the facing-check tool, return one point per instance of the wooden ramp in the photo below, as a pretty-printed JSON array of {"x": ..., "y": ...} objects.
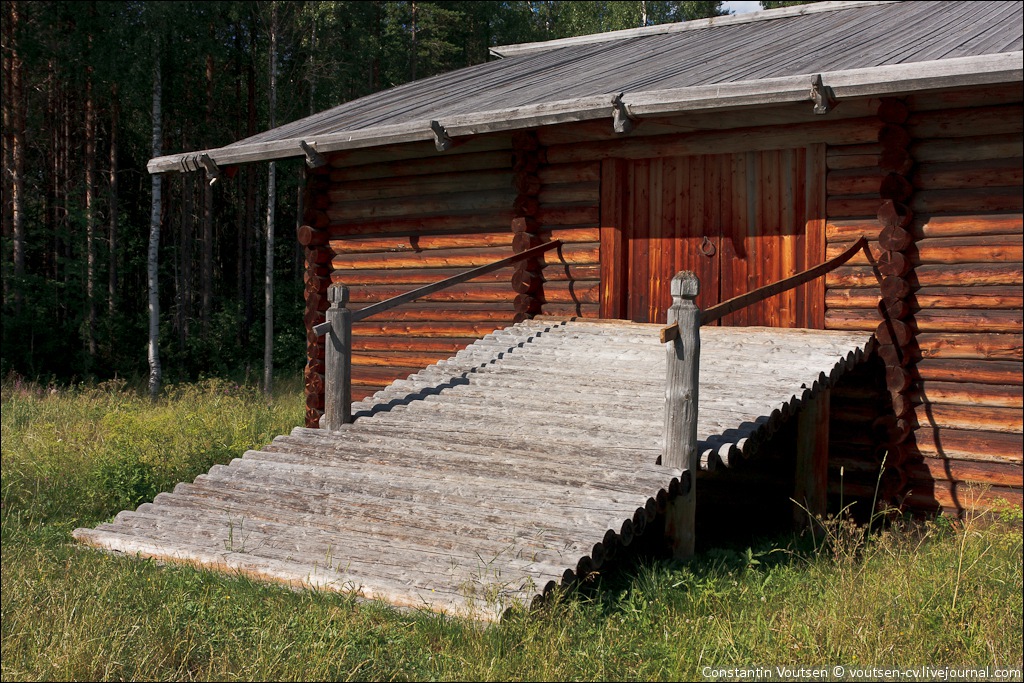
[{"x": 484, "y": 480}]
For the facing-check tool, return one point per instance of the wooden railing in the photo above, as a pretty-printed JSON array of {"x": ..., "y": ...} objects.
[
  {"x": 682, "y": 346},
  {"x": 338, "y": 331}
]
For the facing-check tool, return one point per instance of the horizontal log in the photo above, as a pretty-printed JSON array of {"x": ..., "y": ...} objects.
[
  {"x": 979, "y": 418},
  {"x": 372, "y": 328},
  {"x": 490, "y": 221},
  {"x": 576, "y": 310},
  {"x": 479, "y": 161},
  {"x": 309, "y": 236},
  {"x": 956, "y": 123},
  {"x": 925, "y": 298},
  {"x": 853, "y": 181},
  {"x": 475, "y": 201},
  {"x": 972, "y": 148},
  {"x": 425, "y": 276},
  {"x": 575, "y": 193},
  {"x": 395, "y": 358},
  {"x": 945, "y": 469},
  {"x": 969, "y": 370},
  {"x": 449, "y": 346},
  {"x": 975, "y": 96},
  {"x": 967, "y": 394},
  {"x": 967, "y": 320},
  {"x": 984, "y": 274},
  {"x": 950, "y": 250},
  {"x": 971, "y": 200},
  {"x": 416, "y": 243},
  {"x": 933, "y": 320},
  {"x": 968, "y": 444},
  {"x": 849, "y": 230},
  {"x": 956, "y": 498},
  {"x": 551, "y": 216},
  {"x": 466, "y": 293},
  {"x": 967, "y": 226},
  {"x": 462, "y": 258},
  {"x": 759, "y": 138},
  {"x": 971, "y": 346},
  {"x": 410, "y": 152},
  {"x": 843, "y": 162},
  {"x": 400, "y": 187},
  {"x": 895, "y": 239},
  {"x": 852, "y": 206},
  {"x": 495, "y": 313},
  {"x": 579, "y": 172},
  {"x": 969, "y": 174}
]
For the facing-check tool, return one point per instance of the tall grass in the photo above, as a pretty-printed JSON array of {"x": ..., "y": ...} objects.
[{"x": 941, "y": 593}]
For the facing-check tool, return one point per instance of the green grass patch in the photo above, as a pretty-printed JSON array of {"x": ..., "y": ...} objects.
[{"x": 943, "y": 593}]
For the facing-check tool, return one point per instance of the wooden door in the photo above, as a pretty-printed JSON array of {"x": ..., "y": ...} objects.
[{"x": 738, "y": 221}]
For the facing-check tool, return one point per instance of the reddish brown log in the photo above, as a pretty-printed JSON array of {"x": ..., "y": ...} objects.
[
  {"x": 968, "y": 320},
  {"x": 315, "y": 401},
  {"x": 982, "y": 418},
  {"x": 895, "y": 239},
  {"x": 969, "y": 174},
  {"x": 388, "y": 359},
  {"x": 967, "y": 394},
  {"x": 902, "y": 404},
  {"x": 317, "y": 256},
  {"x": 527, "y": 184},
  {"x": 891, "y": 354},
  {"x": 853, "y": 181},
  {"x": 952, "y": 123},
  {"x": 968, "y": 444},
  {"x": 892, "y": 214},
  {"x": 897, "y": 379},
  {"x": 313, "y": 418},
  {"x": 524, "y": 241},
  {"x": 525, "y": 205},
  {"x": 972, "y": 346},
  {"x": 968, "y": 200},
  {"x": 418, "y": 243},
  {"x": 309, "y": 236},
  {"x": 896, "y": 309},
  {"x": 959, "y": 370},
  {"x": 447, "y": 223},
  {"x": 894, "y": 332},
  {"x": 525, "y": 224},
  {"x": 444, "y": 347},
  {"x": 525, "y": 303},
  {"x": 895, "y": 287},
  {"x": 893, "y": 264},
  {"x": 526, "y": 281},
  {"x": 895, "y": 187},
  {"x": 943, "y": 469},
  {"x": 965, "y": 226}
]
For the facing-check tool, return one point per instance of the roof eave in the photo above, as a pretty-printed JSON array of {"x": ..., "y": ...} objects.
[{"x": 1006, "y": 67}]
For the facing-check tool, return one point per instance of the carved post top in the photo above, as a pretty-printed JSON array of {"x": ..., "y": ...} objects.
[
  {"x": 337, "y": 294},
  {"x": 685, "y": 285}
]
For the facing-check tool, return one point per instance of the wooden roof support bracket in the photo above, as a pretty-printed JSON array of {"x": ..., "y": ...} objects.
[
  {"x": 313, "y": 158},
  {"x": 212, "y": 170},
  {"x": 441, "y": 138},
  {"x": 822, "y": 95},
  {"x": 622, "y": 122}
]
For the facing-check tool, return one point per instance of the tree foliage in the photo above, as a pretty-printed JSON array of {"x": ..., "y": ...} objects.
[{"x": 213, "y": 60}]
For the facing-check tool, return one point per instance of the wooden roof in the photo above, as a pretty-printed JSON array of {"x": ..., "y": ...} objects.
[
  {"x": 483, "y": 480},
  {"x": 858, "y": 48}
]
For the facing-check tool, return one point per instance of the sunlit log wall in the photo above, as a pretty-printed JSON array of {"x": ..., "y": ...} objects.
[{"x": 941, "y": 196}]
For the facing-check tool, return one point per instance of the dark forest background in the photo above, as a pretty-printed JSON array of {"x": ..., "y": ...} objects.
[{"x": 78, "y": 95}]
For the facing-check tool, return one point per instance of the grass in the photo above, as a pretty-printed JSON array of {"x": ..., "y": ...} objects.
[{"x": 942, "y": 593}]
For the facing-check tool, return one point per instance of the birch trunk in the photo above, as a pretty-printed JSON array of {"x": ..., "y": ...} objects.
[
  {"x": 268, "y": 333},
  {"x": 155, "y": 373}
]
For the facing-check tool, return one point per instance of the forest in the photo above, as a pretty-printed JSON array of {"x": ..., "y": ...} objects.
[{"x": 92, "y": 90}]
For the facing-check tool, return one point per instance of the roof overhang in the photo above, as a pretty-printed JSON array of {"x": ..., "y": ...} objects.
[{"x": 895, "y": 79}]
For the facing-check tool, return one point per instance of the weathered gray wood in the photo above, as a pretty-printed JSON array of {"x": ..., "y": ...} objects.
[
  {"x": 681, "y": 407},
  {"x": 338, "y": 361},
  {"x": 516, "y": 420}
]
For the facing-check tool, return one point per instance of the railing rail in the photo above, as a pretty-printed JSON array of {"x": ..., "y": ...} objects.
[
  {"x": 338, "y": 331},
  {"x": 758, "y": 295},
  {"x": 681, "y": 338}
]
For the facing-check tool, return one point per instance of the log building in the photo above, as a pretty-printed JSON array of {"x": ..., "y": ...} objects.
[{"x": 743, "y": 148}]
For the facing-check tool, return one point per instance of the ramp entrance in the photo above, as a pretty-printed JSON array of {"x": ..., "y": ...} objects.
[{"x": 528, "y": 460}]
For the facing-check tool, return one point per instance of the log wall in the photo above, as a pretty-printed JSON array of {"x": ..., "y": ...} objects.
[{"x": 941, "y": 197}]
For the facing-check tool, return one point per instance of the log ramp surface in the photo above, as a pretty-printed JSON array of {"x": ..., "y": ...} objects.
[{"x": 485, "y": 480}]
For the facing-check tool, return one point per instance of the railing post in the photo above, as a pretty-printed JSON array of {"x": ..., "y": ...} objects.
[
  {"x": 681, "y": 395},
  {"x": 338, "y": 360}
]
